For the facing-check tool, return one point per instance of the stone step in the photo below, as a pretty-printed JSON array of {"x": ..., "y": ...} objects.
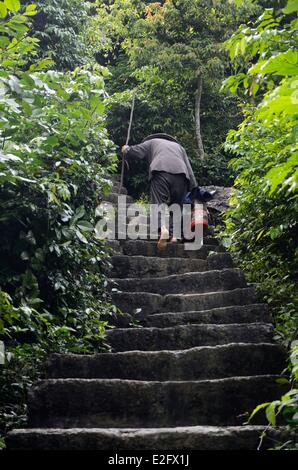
[
  {"x": 135, "y": 213},
  {"x": 150, "y": 266},
  {"x": 143, "y": 234},
  {"x": 142, "y": 227},
  {"x": 143, "y": 214},
  {"x": 239, "y": 314},
  {"x": 200, "y": 282},
  {"x": 222, "y": 315},
  {"x": 206, "y": 362},
  {"x": 149, "y": 248},
  {"x": 176, "y": 438},
  {"x": 89, "y": 403},
  {"x": 147, "y": 303},
  {"x": 188, "y": 336},
  {"x": 141, "y": 211},
  {"x": 132, "y": 211}
]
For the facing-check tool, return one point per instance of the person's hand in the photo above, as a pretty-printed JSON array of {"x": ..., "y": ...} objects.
[{"x": 124, "y": 149}]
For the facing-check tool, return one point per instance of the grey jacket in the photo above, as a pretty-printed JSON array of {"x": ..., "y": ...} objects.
[{"x": 164, "y": 155}]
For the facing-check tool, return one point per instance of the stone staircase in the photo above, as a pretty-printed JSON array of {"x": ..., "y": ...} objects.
[{"x": 192, "y": 355}]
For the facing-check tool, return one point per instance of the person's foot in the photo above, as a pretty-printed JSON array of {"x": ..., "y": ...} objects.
[
  {"x": 174, "y": 240},
  {"x": 163, "y": 240}
]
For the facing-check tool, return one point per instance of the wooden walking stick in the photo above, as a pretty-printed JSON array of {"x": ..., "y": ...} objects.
[{"x": 127, "y": 140}]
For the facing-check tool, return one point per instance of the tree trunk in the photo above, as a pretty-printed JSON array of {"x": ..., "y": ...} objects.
[{"x": 201, "y": 152}]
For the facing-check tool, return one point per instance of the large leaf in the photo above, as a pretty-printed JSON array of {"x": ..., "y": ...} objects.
[
  {"x": 13, "y": 5},
  {"x": 9, "y": 157},
  {"x": 283, "y": 64},
  {"x": 277, "y": 175},
  {"x": 85, "y": 226},
  {"x": 81, "y": 237},
  {"x": 271, "y": 412},
  {"x": 258, "y": 408},
  {"x": 80, "y": 212},
  {"x": 291, "y": 6},
  {"x": 31, "y": 10},
  {"x": 4, "y": 41},
  {"x": 3, "y": 10}
]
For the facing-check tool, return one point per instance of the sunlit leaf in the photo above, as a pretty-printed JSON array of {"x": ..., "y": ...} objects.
[
  {"x": 13, "y": 5},
  {"x": 3, "y": 10},
  {"x": 284, "y": 64},
  {"x": 291, "y": 7}
]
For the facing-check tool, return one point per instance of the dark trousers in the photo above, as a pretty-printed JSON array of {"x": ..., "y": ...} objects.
[{"x": 168, "y": 188}]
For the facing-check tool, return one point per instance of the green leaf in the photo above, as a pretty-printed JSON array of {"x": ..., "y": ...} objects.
[
  {"x": 271, "y": 413},
  {"x": 254, "y": 88},
  {"x": 4, "y": 41},
  {"x": 13, "y": 5},
  {"x": 31, "y": 7},
  {"x": 9, "y": 158},
  {"x": 30, "y": 10},
  {"x": 80, "y": 212},
  {"x": 19, "y": 27},
  {"x": 277, "y": 175},
  {"x": 282, "y": 381},
  {"x": 27, "y": 108},
  {"x": 238, "y": 3},
  {"x": 258, "y": 408},
  {"x": 81, "y": 237},
  {"x": 283, "y": 64},
  {"x": 85, "y": 226},
  {"x": 3, "y": 10},
  {"x": 41, "y": 65},
  {"x": 52, "y": 141},
  {"x": 291, "y": 6},
  {"x": 261, "y": 233},
  {"x": 97, "y": 105}
]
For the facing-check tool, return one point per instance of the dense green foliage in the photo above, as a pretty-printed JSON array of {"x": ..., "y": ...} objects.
[
  {"x": 160, "y": 49},
  {"x": 261, "y": 225},
  {"x": 262, "y": 221},
  {"x": 62, "y": 29},
  {"x": 54, "y": 160}
]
